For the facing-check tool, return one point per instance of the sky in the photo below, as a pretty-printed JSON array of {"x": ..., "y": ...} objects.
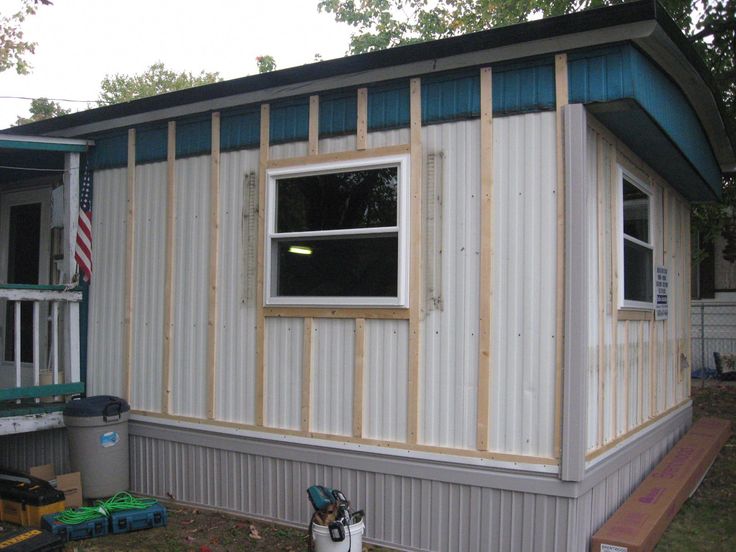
[{"x": 79, "y": 42}]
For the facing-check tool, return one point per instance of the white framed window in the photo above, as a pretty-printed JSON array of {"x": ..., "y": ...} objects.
[
  {"x": 636, "y": 243},
  {"x": 337, "y": 233}
]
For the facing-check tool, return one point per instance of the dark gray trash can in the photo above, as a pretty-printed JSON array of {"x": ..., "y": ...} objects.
[{"x": 98, "y": 444}]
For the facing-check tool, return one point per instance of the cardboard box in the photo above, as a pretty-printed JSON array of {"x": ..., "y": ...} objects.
[
  {"x": 639, "y": 523},
  {"x": 69, "y": 483}
]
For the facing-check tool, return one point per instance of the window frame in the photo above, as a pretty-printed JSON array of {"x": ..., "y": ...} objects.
[
  {"x": 646, "y": 188},
  {"x": 402, "y": 163}
]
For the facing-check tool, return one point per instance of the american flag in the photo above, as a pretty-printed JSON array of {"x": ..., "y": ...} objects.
[{"x": 83, "y": 254}]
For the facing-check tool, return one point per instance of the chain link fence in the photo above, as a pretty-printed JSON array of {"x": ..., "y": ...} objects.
[{"x": 713, "y": 331}]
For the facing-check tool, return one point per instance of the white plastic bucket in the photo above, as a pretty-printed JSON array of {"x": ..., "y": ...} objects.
[{"x": 353, "y": 542}]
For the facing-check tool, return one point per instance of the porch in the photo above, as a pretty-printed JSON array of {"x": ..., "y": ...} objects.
[{"x": 40, "y": 359}]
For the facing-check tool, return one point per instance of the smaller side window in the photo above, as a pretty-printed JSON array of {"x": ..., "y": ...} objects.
[{"x": 637, "y": 248}]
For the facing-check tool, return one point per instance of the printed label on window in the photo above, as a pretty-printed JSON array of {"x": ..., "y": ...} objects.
[{"x": 109, "y": 439}]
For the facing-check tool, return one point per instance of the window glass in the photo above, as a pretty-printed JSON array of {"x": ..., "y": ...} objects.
[
  {"x": 638, "y": 251},
  {"x": 336, "y": 201},
  {"x": 636, "y": 212},
  {"x": 637, "y": 272},
  {"x": 338, "y": 267}
]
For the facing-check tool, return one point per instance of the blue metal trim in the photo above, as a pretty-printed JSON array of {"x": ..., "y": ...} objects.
[
  {"x": 388, "y": 106},
  {"x": 194, "y": 136},
  {"x": 110, "y": 151},
  {"x": 240, "y": 129},
  {"x": 622, "y": 72},
  {"x": 451, "y": 96},
  {"x": 524, "y": 87},
  {"x": 151, "y": 144},
  {"x": 338, "y": 113},
  {"x": 289, "y": 121}
]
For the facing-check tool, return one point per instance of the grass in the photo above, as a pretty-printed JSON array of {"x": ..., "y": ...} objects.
[{"x": 707, "y": 521}]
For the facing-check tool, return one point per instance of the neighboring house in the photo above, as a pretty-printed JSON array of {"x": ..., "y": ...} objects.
[{"x": 425, "y": 276}]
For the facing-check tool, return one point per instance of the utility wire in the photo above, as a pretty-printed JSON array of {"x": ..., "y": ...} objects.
[{"x": 45, "y": 98}]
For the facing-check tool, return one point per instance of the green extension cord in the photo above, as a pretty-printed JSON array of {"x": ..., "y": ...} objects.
[{"x": 121, "y": 501}]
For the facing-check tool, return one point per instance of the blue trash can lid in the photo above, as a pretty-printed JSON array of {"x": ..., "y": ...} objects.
[{"x": 99, "y": 405}]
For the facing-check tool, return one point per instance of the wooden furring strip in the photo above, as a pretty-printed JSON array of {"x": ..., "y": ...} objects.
[
  {"x": 313, "y": 144},
  {"x": 169, "y": 301},
  {"x": 561, "y": 100},
  {"x": 260, "y": 320},
  {"x": 486, "y": 256},
  {"x": 358, "y": 377},
  {"x": 376, "y": 313},
  {"x": 214, "y": 260},
  {"x": 306, "y": 406},
  {"x": 338, "y": 156},
  {"x": 129, "y": 269},
  {"x": 415, "y": 256},
  {"x": 361, "y": 136}
]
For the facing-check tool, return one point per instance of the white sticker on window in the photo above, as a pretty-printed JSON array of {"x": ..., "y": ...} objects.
[
  {"x": 109, "y": 439},
  {"x": 613, "y": 548}
]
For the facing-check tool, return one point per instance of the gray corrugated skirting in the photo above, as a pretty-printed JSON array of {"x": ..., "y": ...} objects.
[
  {"x": 430, "y": 506},
  {"x": 23, "y": 450}
]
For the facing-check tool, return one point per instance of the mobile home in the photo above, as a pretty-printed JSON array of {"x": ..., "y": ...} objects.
[{"x": 450, "y": 279}]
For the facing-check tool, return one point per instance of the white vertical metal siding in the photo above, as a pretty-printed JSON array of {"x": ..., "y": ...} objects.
[
  {"x": 107, "y": 290},
  {"x": 290, "y": 149},
  {"x": 593, "y": 300},
  {"x": 284, "y": 360},
  {"x": 191, "y": 275},
  {"x": 524, "y": 284},
  {"x": 333, "y": 369},
  {"x": 337, "y": 144},
  {"x": 236, "y": 325},
  {"x": 148, "y": 293},
  {"x": 385, "y": 379},
  {"x": 386, "y": 138},
  {"x": 449, "y": 375}
]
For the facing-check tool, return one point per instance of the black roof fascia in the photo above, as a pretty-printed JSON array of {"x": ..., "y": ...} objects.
[{"x": 551, "y": 27}]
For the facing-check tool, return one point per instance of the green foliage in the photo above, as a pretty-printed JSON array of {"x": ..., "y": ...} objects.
[
  {"x": 42, "y": 108},
  {"x": 266, "y": 64},
  {"x": 13, "y": 47},
  {"x": 157, "y": 79}
]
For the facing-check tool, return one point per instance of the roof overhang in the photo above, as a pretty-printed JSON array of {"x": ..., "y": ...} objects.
[
  {"x": 644, "y": 23},
  {"x": 29, "y": 157}
]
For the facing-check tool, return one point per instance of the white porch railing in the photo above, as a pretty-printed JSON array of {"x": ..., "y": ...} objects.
[{"x": 51, "y": 300}]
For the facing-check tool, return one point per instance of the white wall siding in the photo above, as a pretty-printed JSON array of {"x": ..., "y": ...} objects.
[
  {"x": 107, "y": 291},
  {"x": 333, "y": 369},
  {"x": 148, "y": 292},
  {"x": 191, "y": 275},
  {"x": 283, "y": 379},
  {"x": 337, "y": 144},
  {"x": 449, "y": 374},
  {"x": 524, "y": 269},
  {"x": 236, "y": 325},
  {"x": 290, "y": 149},
  {"x": 385, "y": 379},
  {"x": 384, "y": 138}
]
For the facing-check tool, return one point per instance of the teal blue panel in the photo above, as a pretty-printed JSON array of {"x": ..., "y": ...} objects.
[
  {"x": 193, "y": 136},
  {"x": 289, "y": 121},
  {"x": 524, "y": 87},
  {"x": 338, "y": 114},
  {"x": 450, "y": 97},
  {"x": 41, "y": 146},
  {"x": 111, "y": 150},
  {"x": 622, "y": 72},
  {"x": 150, "y": 144},
  {"x": 240, "y": 129},
  {"x": 388, "y": 106}
]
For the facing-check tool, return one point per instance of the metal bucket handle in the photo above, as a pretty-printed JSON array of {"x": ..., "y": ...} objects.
[{"x": 106, "y": 412}]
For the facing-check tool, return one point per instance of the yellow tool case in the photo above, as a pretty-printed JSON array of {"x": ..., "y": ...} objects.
[{"x": 24, "y": 500}]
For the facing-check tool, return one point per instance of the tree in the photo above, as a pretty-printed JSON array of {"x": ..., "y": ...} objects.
[
  {"x": 157, "y": 79},
  {"x": 13, "y": 46},
  {"x": 266, "y": 64},
  {"x": 383, "y": 24},
  {"x": 42, "y": 108}
]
